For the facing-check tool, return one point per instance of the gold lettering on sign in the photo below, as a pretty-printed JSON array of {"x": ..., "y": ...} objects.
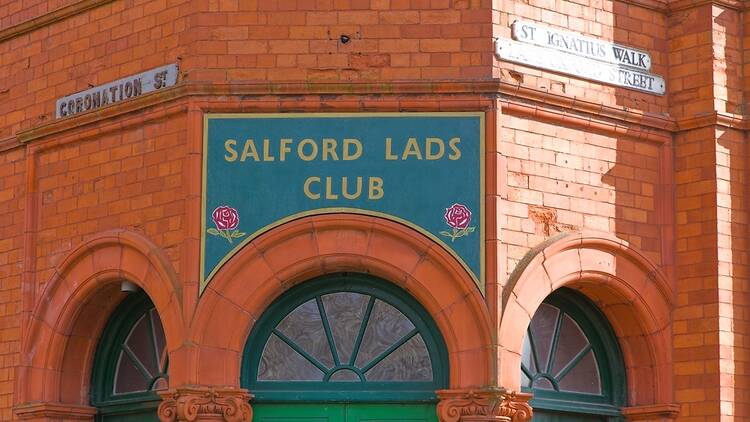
[
  {"x": 349, "y": 187},
  {"x": 453, "y": 144},
  {"x": 348, "y": 154},
  {"x": 308, "y": 193},
  {"x": 229, "y": 146},
  {"x": 376, "y": 188}
]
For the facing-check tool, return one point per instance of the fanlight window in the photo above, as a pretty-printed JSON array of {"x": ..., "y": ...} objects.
[
  {"x": 142, "y": 360},
  {"x": 345, "y": 337},
  {"x": 557, "y": 355},
  {"x": 130, "y": 363},
  {"x": 571, "y": 361}
]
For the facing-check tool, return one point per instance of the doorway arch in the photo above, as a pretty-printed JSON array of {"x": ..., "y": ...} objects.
[
  {"x": 628, "y": 289},
  {"x": 313, "y": 246}
]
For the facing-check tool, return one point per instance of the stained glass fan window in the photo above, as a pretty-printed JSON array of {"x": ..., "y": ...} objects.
[
  {"x": 131, "y": 363},
  {"x": 557, "y": 355},
  {"x": 142, "y": 363},
  {"x": 345, "y": 337},
  {"x": 571, "y": 361}
]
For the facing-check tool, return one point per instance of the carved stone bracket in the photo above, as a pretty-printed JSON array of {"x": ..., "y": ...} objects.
[
  {"x": 54, "y": 412},
  {"x": 652, "y": 413},
  {"x": 497, "y": 405},
  {"x": 205, "y": 404}
]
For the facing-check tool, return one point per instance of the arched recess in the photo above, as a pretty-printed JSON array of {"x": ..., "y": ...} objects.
[
  {"x": 313, "y": 246},
  {"x": 631, "y": 292},
  {"x": 65, "y": 325}
]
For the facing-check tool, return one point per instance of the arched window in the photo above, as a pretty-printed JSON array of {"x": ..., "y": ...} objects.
[
  {"x": 571, "y": 362},
  {"x": 130, "y": 363},
  {"x": 348, "y": 339}
]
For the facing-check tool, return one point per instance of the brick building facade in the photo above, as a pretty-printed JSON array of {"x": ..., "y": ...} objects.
[{"x": 632, "y": 202}]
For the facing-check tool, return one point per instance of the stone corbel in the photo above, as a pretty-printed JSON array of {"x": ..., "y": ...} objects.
[
  {"x": 652, "y": 413},
  {"x": 496, "y": 405},
  {"x": 205, "y": 404},
  {"x": 44, "y": 411}
]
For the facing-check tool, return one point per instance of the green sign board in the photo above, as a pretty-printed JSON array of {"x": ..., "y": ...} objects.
[{"x": 423, "y": 170}]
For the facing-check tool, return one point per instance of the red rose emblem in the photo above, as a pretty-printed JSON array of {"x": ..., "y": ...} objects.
[
  {"x": 458, "y": 216},
  {"x": 225, "y": 218}
]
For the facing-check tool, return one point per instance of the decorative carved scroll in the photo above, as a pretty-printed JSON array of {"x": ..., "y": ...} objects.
[
  {"x": 483, "y": 405},
  {"x": 205, "y": 404}
]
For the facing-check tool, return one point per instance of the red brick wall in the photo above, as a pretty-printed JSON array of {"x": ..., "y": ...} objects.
[
  {"x": 13, "y": 12},
  {"x": 12, "y": 194},
  {"x": 243, "y": 42},
  {"x": 554, "y": 176},
  {"x": 562, "y": 179},
  {"x": 125, "y": 179}
]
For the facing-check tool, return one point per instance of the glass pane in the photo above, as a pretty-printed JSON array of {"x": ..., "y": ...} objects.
[
  {"x": 345, "y": 375},
  {"x": 543, "y": 384},
  {"x": 527, "y": 359},
  {"x": 305, "y": 327},
  {"x": 386, "y": 326},
  {"x": 161, "y": 384},
  {"x": 127, "y": 377},
  {"x": 140, "y": 342},
  {"x": 525, "y": 381},
  {"x": 583, "y": 378},
  {"x": 345, "y": 312},
  {"x": 280, "y": 362},
  {"x": 571, "y": 341},
  {"x": 542, "y": 328},
  {"x": 410, "y": 362},
  {"x": 159, "y": 339}
]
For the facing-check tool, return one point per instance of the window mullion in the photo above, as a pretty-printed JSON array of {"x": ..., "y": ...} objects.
[
  {"x": 361, "y": 333},
  {"x": 532, "y": 344},
  {"x": 390, "y": 350},
  {"x": 573, "y": 362},
  {"x": 137, "y": 362},
  {"x": 299, "y": 350},
  {"x": 555, "y": 341},
  {"x": 327, "y": 329}
]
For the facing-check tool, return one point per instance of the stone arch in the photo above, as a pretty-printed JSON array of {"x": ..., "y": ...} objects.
[
  {"x": 65, "y": 325},
  {"x": 630, "y": 290},
  {"x": 313, "y": 246}
]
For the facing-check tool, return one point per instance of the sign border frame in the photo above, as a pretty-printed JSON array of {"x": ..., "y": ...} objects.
[{"x": 479, "y": 280}]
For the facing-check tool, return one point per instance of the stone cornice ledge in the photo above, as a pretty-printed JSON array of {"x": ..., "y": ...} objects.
[
  {"x": 54, "y": 411},
  {"x": 49, "y": 18},
  {"x": 714, "y": 118},
  {"x": 679, "y": 5},
  {"x": 653, "y": 412},
  {"x": 9, "y": 143},
  {"x": 526, "y": 97}
]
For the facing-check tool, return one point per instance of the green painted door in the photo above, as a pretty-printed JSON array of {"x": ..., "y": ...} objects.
[
  {"x": 391, "y": 413},
  {"x": 299, "y": 413},
  {"x": 345, "y": 348},
  {"x": 338, "y": 412}
]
